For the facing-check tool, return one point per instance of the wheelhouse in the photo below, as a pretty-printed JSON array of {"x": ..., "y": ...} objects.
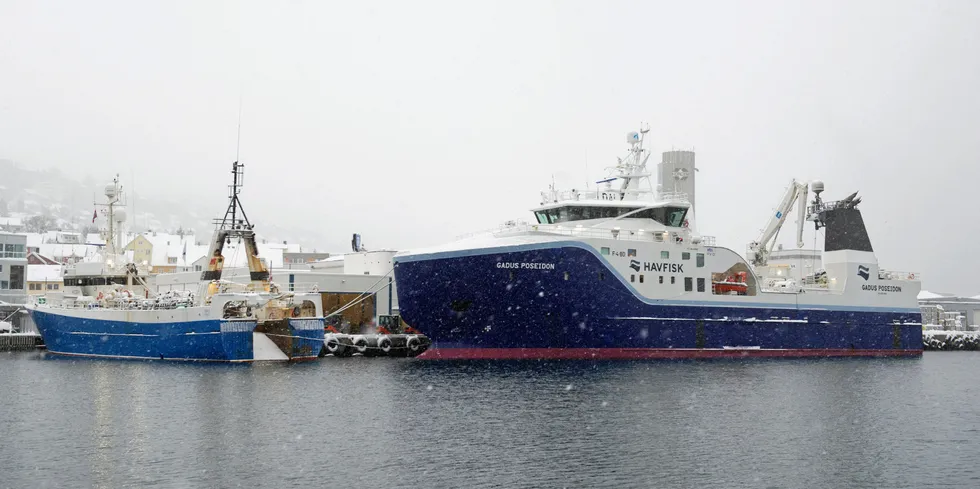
[{"x": 670, "y": 215}]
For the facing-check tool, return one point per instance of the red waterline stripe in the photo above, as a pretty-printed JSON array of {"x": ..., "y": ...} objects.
[{"x": 645, "y": 353}]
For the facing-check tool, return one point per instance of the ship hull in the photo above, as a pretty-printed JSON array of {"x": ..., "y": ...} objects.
[
  {"x": 471, "y": 307},
  {"x": 163, "y": 335}
]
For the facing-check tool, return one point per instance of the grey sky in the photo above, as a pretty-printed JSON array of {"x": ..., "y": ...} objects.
[{"x": 413, "y": 122}]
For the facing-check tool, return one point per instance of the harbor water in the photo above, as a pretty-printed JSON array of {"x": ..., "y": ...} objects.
[{"x": 362, "y": 422}]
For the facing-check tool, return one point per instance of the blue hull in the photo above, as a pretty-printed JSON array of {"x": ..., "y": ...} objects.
[
  {"x": 206, "y": 340},
  {"x": 470, "y": 308}
]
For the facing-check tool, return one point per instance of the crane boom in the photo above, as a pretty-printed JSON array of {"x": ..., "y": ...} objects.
[{"x": 760, "y": 249}]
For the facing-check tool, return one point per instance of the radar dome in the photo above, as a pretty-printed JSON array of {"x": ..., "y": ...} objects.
[
  {"x": 119, "y": 216},
  {"x": 817, "y": 186},
  {"x": 111, "y": 191}
]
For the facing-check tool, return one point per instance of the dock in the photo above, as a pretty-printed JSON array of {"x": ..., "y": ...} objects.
[{"x": 20, "y": 341}]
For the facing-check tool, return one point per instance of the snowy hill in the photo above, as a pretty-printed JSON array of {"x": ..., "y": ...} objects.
[{"x": 44, "y": 200}]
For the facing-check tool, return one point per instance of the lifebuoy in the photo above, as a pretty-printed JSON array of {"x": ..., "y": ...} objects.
[
  {"x": 413, "y": 344},
  {"x": 361, "y": 345},
  {"x": 385, "y": 344}
]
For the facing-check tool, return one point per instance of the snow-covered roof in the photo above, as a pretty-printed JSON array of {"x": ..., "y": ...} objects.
[
  {"x": 925, "y": 294},
  {"x": 234, "y": 254},
  {"x": 34, "y": 239},
  {"x": 44, "y": 273},
  {"x": 11, "y": 221},
  {"x": 58, "y": 250}
]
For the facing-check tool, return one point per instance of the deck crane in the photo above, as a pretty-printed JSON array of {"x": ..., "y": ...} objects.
[{"x": 759, "y": 250}]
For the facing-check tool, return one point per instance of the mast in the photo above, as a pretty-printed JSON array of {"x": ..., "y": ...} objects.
[
  {"x": 115, "y": 218},
  {"x": 235, "y": 224},
  {"x": 632, "y": 169}
]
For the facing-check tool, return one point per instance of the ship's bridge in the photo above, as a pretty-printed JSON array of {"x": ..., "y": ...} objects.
[{"x": 669, "y": 214}]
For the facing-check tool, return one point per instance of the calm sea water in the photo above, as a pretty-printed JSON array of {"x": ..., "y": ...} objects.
[{"x": 363, "y": 422}]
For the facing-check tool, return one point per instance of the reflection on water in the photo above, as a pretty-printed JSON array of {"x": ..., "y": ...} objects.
[
  {"x": 409, "y": 423},
  {"x": 102, "y": 429}
]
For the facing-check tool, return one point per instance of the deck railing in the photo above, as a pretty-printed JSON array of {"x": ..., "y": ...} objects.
[
  {"x": 896, "y": 275},
  {"x": 517, "y": 228}
]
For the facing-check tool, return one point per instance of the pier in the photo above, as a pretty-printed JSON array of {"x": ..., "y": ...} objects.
[{"x": 20, "y": 341}]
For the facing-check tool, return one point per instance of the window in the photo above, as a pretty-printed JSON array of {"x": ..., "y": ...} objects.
[
  {"x": 673, "y": 280},
  {"x": 631, "y": 252},
  {"x": 197, "y": 268},
  {"x": 668, "y": 216},
  {"x": 602, "y": 275},
  {"x": 52, "y": 286},
  {"x": 1, "y": 268},
  {"x": 700, "y": 285},
  {"x": 700, "y": 260},
  {"x": 641, "y": 278},
  {"x": 566, "y": 275},
  {"x": 4, "y": 285},
  {"x": 632, "y": 278},
  {"x": 17, "y": 277},
  {"x": 685, "y": 256},
  {"x": 688, "y": 284},
  {"x": 34, "y": 286},
  {"x": 579, "y": 213},
  {"x": 661, "y": 279},
  {"x": 604, "y": 250},
  {"x": 664, "y": 255},
  {"x": 172, "y": 259}
]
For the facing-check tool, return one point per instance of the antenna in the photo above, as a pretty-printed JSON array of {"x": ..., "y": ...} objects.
[
  {"x": 132, "y": 197},
  {"x": 238, "y": 141},
  {"x": 587, "y": 168}
]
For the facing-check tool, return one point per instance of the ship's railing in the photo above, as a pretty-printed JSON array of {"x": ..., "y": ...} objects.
[
  {"x": 674, "y": 197},
  {"x": 553, "y": 196},
  {"x": 116, "y": 307},
  {"x": 896, "y": 275},
  {"x": 128, "y": 305},
  {"x": 584, "y": 232},
  {"x": 829, "y": 206}
]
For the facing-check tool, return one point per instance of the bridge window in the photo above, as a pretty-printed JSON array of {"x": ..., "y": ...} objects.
[
  {"x": 700, "y": 285},
  {"x": 700, "y": 260},
  {"x": 580, "y": 213},
  {"x": 688, "y": 284},
  {"x": 668, "y": 216},
  {"x": 641, "y": 278}
]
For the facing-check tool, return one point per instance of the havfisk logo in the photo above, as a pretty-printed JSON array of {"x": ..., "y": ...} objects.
[
  {"x": 863, "y": 272},
  {"x": 635, "y": 265}
]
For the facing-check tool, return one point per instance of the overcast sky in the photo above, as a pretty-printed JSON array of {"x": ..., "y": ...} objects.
[{"x": 414, "y": 122}]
